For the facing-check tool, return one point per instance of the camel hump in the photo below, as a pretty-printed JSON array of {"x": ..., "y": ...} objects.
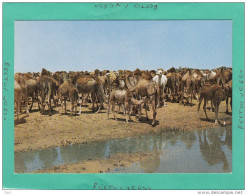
[
  {"x": 85, "y": 79},
  {"x": 152, "y": 88},
  {"x": 170, "y": 74},
  {"x": 172, "y": 69},
  {"x": 45, "y": 72},
  {"x": 27, "y": 76},
  {"x": 147, "y": 75},
  {"x": 17, "y": 85},
  {"x": 137, "y": 72}
]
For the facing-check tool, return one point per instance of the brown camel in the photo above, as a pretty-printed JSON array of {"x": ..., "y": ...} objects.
[
  {"x": 145, "y": 88},
  {"x": 187, "y": 83},
  {"x": 228, "y": 88},
  {"x": 171, "y": 85},
  {"x": 124, "y": 97},
  {"x": 32, "y": 88},
  {"x": 68, "y": 91},
  {"x": 18, "y": 96},
  {"x": 47, "y": 86},
  {"x": 215, "y": 93},
  {"x": 22, "y": 82},
  {"x": 91, "y": 84},
  {"x": 198, "y": 81}
]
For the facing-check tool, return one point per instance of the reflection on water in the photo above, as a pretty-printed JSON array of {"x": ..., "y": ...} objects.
[{"x": 199, "y": 151}]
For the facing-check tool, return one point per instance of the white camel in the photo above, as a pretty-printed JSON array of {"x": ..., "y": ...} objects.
[{"x": 161, "y": 80}]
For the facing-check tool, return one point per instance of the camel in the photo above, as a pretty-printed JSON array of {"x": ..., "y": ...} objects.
[
  {"x": 171, "y": 85},
  {"x": 90, "y": 84},
  {"x": 187, "y": 81},
  {"x": 102, "y": 78},
  {"x": 146, "y": 88},
  {"x": 18, "y": 96},
  {"x": 215, "y": 93},
  {"x": 68, "y": 91},
  {"x": 210, "y": 75},
  {"x": 198, "y": 81},
  {"x": 219, "y": 77},
  {"x": 228, "y": 87},
  {"x": 227, "y": 74},
  {"x": 47, "y": 85},
  {"x": 109, "y": 80},
  {"x": 161, "y": 80},
  {"x": 22, "y": 82},
  {"x": 125, "y": 97},
  {"x": 32, "y": 88}
]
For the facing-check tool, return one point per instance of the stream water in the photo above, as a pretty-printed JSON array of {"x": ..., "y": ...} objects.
[{"x": 172, "y": 151}]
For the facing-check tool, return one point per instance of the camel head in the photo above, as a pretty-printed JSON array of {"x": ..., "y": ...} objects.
[
  {"x": 159, "y": 72},
  {"x": 121, "y": 82}
]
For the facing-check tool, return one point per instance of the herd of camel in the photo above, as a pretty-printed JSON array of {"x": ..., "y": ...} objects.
[{"x": 131, "y": 90}]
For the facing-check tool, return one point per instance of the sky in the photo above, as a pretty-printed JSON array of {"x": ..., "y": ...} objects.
[{"x": 115, "y": 45}]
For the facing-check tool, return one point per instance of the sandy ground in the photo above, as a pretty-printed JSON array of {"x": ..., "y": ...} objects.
[
  {"x": 98, "y": 165},
  {"x": 38, "y": 131}
]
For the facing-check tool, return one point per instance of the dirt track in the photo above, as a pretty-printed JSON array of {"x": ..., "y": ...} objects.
[{"x": 42, "y": 131}]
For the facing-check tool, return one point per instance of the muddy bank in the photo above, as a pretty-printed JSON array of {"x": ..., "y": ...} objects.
[
  {"x": 42, "y": 131},
  {"x": 97, "y": 165}
]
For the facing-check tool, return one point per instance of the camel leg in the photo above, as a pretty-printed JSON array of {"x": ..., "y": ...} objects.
[
  {"x": 39, "y": 104},
  {"x": 119, "y": 108},
  {"x": 216, "y": 112},
  {"x": 27, "y": 110},
  {"x": 146, "y": 107},
  {"x": 42, "y": 105},
  {"x": 227, "y": 104},
  {"x": 32, "y": 102},
  {"x": 72, "y": 108},
  {"x": 127, "y": 107},
  {"x": 113, "y": 110},
  {"x": 124, "y": 110},
  {"x": 93, "y": 106},
  {"x": 108, "y": 110},
  {"x": 62, "y": 106},
  {"x": 212, "y": 106},
  {"x": 204, "y": 108},
  {"x": 131, "y": 109},
  {"x": 199, "y": 104},
  {"x": 42, "y": 109},
  {"x": 153, "y": 102},
  {"x": 75, "y": 107},
  {"x": 159, "y": 102},
  {"x": 231, "y": 103},
  {"x": 17, "y": 108},
  {"x": 182, "y": 93},
  {"x": 100, "y": 106},
  {"x": 80, "y": 107},
  {"x": 191, "y": 97},
  {"x": 49, "y": 106},
  {"x": 65, "y": 106},
  {"x": 140, "y": 112}
]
